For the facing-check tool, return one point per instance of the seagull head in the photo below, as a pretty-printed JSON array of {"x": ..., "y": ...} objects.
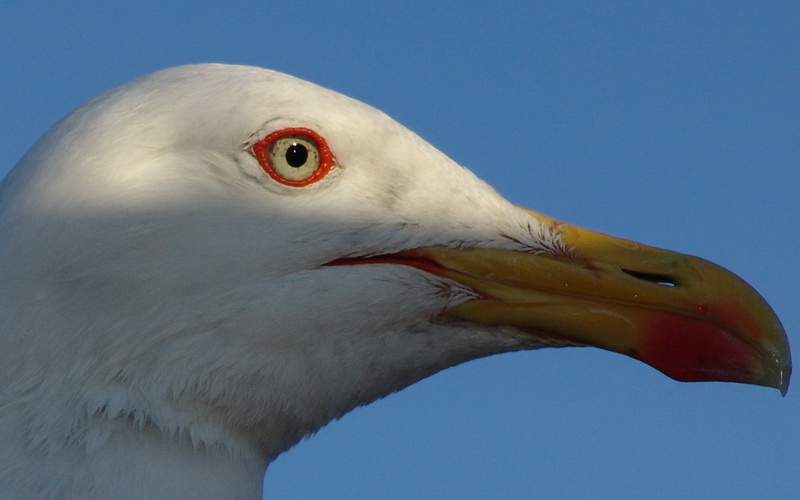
[{"x": 239, "y": 256}]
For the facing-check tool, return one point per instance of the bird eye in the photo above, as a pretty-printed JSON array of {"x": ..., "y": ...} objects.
[{"x": 294, "y": 156}]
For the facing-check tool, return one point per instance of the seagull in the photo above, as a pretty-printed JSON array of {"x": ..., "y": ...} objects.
[{"x": 202, "y": 267}]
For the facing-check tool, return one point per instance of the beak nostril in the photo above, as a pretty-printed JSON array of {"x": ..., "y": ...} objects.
[{"x": 657, "y": 279}]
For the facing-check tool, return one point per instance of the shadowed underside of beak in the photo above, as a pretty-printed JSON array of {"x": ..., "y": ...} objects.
[{"x": 688, "y": 318}]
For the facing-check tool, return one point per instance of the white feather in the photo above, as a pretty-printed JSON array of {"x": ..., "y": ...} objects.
[{"x": 166, "y": 328}]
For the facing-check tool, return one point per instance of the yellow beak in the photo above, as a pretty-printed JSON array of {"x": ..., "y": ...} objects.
[{"x": 689, "y": 318}]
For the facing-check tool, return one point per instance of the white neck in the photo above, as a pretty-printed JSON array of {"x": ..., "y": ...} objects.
[{"x": 121, "y": 460}]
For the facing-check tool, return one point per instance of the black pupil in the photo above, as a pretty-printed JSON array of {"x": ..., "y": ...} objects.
[{"x": 296, "y": 155}]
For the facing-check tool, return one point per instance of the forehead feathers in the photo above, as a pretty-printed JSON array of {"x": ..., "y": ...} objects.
[{"x": 182, "y": 137}]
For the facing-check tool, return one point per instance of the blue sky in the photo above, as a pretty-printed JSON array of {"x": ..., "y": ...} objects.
[{"x": 673, "y": 123}]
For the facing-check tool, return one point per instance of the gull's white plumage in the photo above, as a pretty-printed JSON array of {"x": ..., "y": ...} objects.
[
  {"x": 166, "y": 327},
  {"x": 174, "y": 315}
]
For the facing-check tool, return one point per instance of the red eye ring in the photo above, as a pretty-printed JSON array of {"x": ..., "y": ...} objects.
[{"x": 265, "y": 152}]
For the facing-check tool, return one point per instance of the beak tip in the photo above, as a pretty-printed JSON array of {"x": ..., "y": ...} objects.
[
  {"x": 692, "y": 350},
  {"x": 785, "y": 374},
  {"x": 776, "y": 358}
]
